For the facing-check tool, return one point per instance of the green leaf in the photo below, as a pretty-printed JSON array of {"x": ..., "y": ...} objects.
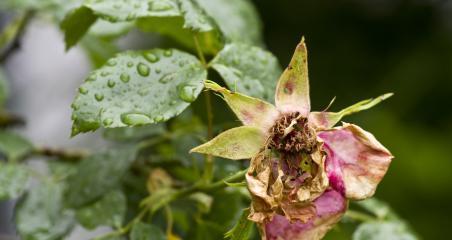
[
  {"x": 13, "y": 146},
  {"x": 379, "y": 208},
  {"x": 133, "y": 133},
  {"x": 98, "y": 175},
  {"x": 143, "y": 231},
  {"x": 108, "y": 29},
  {"x": 383, "y": 230},
  {"x": 127, "y": 10},
  {"x": 110, "y": 210},
  {"x": 236, "y": 143},
  {"x": 190, "y": 21},
  {"x": 249, "y": 70},
  {"x": 13, "y": 180},
  {"x": 40, "y": 215},
  {"x": 98, "y": 49},
  {"x": 76, "y": 24},
  {"x": 138, "y": 88},
  {"x": 238, "y": 20},
  {"x": 242, "y": 229}
]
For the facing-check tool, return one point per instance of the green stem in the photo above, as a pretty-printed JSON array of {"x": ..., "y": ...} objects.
[
  {"x": 210, "y": 187},
  {"x": 208, "y": 166},
  {"x": 125, "y": 229},
  {"x": 61, "y": 154},
  {"x": 359, "y": 216},
  {"x": 199, "y": 51},
  {"x": 169, "y": 220},
  {"x": 9, "y": 38}
]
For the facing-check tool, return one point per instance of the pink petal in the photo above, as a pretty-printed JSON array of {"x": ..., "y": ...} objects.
[
  {"x": 356, "y": 162},
  {"x": 292, "y": 92},
  {"x": 330, "y": 207}
]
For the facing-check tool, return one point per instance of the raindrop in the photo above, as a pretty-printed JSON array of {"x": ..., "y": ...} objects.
[
  {"x": 75, "y": 106},
  {"x": 158, "y": 70},
  {"x": 172, "y": 102},
  {"x": 124, "y": 77},
  {"x": 159, "y": 6},
  {"x": 143, "y": 69},
  {"x": 133, "y": 119},
  {"x": 143, "y": 92},
  {"x": 111, "y": 62},
  {"x": 130, "y": 17},
  {"x": 83, "y": 90},
  {"x": 91, "y": 78},
  {"x": 168, "y": 53},
  {"x": 187, "y": 93},
  {"x": 104, "y": 74},
  {"x": 151, "y": 57},
  {"x": 99, "y": 97},
  {"x": 111, "y": 83},
  {"x": 167, "y": 78},
  {"x": 130, "y": 64},
  {"x": 159, "y": 118},
  {"x": 107, "y": 121}
]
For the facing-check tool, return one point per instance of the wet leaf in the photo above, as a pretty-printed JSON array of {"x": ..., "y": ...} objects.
[
  {"x": 238, "y": 20},
  {"x": 249, "y": 70},
  {"x": 98, "y": 175},
  {"x": 133, "y": 133},
  {"x": 40, "y": 215},
  {"x": 13, "y": 180},
  {"x": 138, "y": 88},
  {"x": 13, "y": 146},
  {"x": 110, "y": 210},
  {"x": 76, "y": 24}
]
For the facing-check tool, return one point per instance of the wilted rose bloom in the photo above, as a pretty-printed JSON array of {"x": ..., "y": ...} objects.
[{"x": 303, "y": 169}]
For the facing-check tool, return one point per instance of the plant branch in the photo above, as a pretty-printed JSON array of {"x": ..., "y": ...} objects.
[
  {"x": 208, "y": 167},
  {"x": 9, "y": 39},
  {"x": 62, "y": 154},
  {"x": 359, "y": 216},
  {"x": 199, "y": 51}
]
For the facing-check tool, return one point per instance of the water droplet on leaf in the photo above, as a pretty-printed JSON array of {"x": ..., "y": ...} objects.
[
  {"x": 187, "y": 93},
  {"x": 99, "y": 97},
  {"x": 143, "y": 69},
  {"x": 168, "y": 53},
  {"x": 124, "y": 77},
  {"x": 158, "y": 118},
  {"x": 111, "y": 62},
  {"x": 133, "y": 119},
  {"x": 107, "y": 121},
  {"x": 151, "y": 57},
  {"x": 111, "y": 83},
  {"x": 82, "y": 90}
]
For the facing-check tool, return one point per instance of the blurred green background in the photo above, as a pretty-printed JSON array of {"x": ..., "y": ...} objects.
[{"x": 360, "y": 49}]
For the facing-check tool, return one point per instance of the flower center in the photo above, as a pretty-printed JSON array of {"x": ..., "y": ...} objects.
[{"x": 292, "y": 134}]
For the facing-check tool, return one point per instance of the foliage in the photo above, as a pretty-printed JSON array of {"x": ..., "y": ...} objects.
[{"x": 148, "y": 103}]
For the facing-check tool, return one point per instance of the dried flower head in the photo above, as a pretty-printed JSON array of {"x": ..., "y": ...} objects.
[{"x": 303, "y": 169}]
